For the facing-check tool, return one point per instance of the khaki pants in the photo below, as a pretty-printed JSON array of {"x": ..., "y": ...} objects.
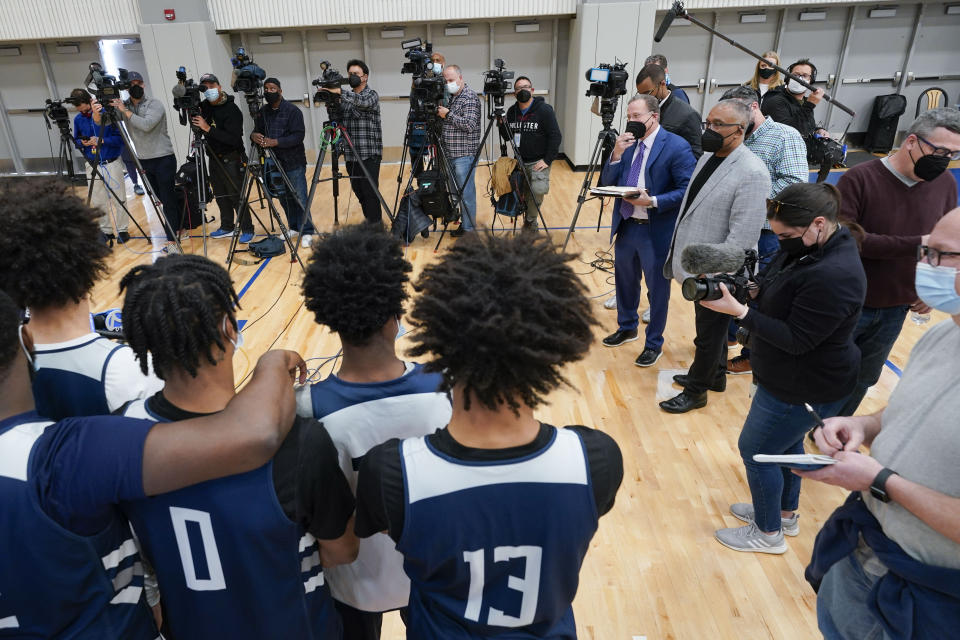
[
  {"x": 535, "y": 190},
  {"x": 101, "y": 199}
]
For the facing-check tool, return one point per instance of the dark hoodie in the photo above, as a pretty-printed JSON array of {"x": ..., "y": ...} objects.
[
  {"x": 539, "y": 132},
  {"x": 226, "y": 126}
]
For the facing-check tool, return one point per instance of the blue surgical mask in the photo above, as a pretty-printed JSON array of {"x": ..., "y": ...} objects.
[
  {"x": 937, "y": 287},
  {"x": 211, "y": 94}
]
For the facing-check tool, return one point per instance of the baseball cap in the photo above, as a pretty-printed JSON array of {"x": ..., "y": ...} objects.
[
  {"x": 134, "y": 75},
  {"x": 209, "y": 77}
]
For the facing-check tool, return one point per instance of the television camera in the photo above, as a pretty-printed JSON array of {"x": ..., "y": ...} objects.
[
  {"x": 106, "y": 87},
  {"x": 607, "y": 82},
  {"x": 496, "y": 81},
  {"x": 329, "y": 78},
  {"x": 426, "y": 94},
  {"x": 187, "y": 96}
]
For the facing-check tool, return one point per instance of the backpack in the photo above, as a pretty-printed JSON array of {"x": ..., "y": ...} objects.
[
  {"x": 268, "y": 247},
  {"x": 434, "y": 199},
  {"x": 512, "y": 203}
]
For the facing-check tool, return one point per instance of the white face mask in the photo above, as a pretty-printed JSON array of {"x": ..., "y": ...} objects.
[
  {"x": 211, "y": 94},
  {"x": 238, "y": 343},
  {"x": 452, "y": 86},
  {"x": 795, "y": 87},
  {"x": 437, "y": 68}
]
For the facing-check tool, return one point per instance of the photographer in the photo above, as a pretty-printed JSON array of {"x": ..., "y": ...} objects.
[
  {"x": 360, "y": 110},
  {"x": 86, "y": 134},
  {"x": 537, "y": 136},
  {"x": 461, "y": 139},
  {"x": 146, "y": 120},
  {"x": 221, "y": 121},
  {"x": 801, "y": 333},
  {"x": 280, "y": 126}
]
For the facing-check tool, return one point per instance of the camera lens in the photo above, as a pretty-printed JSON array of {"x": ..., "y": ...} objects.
[{"x": 694, "y": 289}]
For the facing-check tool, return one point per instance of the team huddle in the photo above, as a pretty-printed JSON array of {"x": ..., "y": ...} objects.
[{"x": 289, "y": 510}]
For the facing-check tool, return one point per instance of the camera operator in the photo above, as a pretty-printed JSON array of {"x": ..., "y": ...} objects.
[
  {"x": 801, "y": 332},
  {"x": 537, "y": 136},
  {"x": 360, "y": 111},
  {"x": 221, "y": 121},
  {"x": 86, "y": 132},
  {"x": 146, "y": 120},
  {"x": 676, "y": 116},
  {"x": 417, "y": 140},
  {"x": 280, "y": 126},
  {"x": 461, "y": 139},
  {"x": 789, "y": 104}
]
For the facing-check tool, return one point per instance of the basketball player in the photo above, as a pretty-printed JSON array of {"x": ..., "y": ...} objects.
[
  {"x": 242, "y": 556},
  {"x": 494, "y": 513},
  {"x": 70, "y": 567},
  {"x": 356, "y": 285},
  {"x": 51, "y": 256}
]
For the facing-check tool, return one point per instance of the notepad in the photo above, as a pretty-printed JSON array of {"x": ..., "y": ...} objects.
[
  {"x": 801, "y": 462},
  {"x": 617, "y": 192}
]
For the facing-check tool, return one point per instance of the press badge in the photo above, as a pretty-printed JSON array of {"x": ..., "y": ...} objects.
[{"x": 516, "y": 140}]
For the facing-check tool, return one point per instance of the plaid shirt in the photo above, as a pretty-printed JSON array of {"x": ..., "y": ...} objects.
[
  {"x": 783, "y": 151},
  {"x": 360, "y": 114},
  {"x": 461, "y": 127},
  {"x": 285, "y": 125}
]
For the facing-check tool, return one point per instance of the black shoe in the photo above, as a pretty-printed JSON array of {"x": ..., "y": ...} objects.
[
  {"x": 123, "y": 237},
  {"x": 108, "y": 238},
  {"x": 683, "y": 402},
  {"x": 648, "y": 358},
  {"x": 620, "y": 337},
  {"x": 458, "y": 232},
  {"x": 425, "y": 233},
  {"x": 720, "y": 384}
]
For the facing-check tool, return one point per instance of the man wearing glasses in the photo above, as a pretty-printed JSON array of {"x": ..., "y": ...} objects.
[
  {"x": 791, "y": 105},
  {"x": 887, "y": 563},
  {"x": 896, "y": 201},
  {"x": 724, "y": 204}
]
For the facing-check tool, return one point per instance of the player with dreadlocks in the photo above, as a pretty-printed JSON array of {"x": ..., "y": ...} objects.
[
  {"x": 70, "y": 567},
  {"x": 494, "y": 513},
  {"x": 356, "y": 286},
  {"x": 51, "y": 256},
  {"x": 266, "y": 534}
]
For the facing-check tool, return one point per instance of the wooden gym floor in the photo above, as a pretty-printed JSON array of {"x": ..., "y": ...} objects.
[{"x": 654, "y": 570}]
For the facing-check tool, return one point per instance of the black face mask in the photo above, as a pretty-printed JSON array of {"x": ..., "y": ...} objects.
[
  {"x": 272, "y": 97},
  {"x": 711, "y": 141},
  {"x": 523, "y": 95},
  {"x": 135, "y": 91},
  {"x": 355, "y": 81},
  {"x": 766, "y": 74},
  {"x": 929, "y": 168},
  {"x": 638, "y": 129},
  {"x": 795, "y": 248}
]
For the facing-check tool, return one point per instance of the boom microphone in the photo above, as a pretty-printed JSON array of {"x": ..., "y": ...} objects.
[
  {"x": 665, "y": 24},
  {"x": 712, "y": 258}
]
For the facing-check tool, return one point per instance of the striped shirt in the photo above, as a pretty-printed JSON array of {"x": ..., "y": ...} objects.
[
  {"x": 784, "y": 153},
  {"x": 461, "y": 127},
  {"x": 360, "y": 114}
]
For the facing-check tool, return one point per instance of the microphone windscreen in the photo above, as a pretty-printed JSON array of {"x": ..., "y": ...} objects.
[
  {"x": 179, "y": 90},
  {"x": 712, "y": 258},
  {"x": 664, "y": 25}
]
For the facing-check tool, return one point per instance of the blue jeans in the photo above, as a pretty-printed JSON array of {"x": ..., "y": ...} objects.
[
  {"x": 295, "y": 217},
  {"x": 842, "y": 610},
  {"x": 775, "y": 427},
  {"x": 876, "y": 332},
  {"x": 461, "y": 168}
]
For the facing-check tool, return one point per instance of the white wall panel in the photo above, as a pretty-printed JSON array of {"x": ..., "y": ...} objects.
[
  {"x": 257, "y": 14},
  {"x": 663, "y": 5},
  {"x": 42, "y": 19}
]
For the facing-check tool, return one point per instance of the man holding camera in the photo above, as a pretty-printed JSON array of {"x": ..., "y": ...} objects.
[
  {"x": 676, "y": 116},
  {"x": 537, "y": 136},
  {"x": 724, "y": 204},
  {"x": 146, "y": 120},
  {"x": 280, "y": 126},
  {"x": 461, "y": 139},
  {"x": 360, "y": 114},
  {"x": 87, "y": 127},
  {"x": 221, "y": 122}
]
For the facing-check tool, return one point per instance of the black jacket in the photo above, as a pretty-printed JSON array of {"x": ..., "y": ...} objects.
[
  {"x": 539, "y": 132},
  {"x": 680, "y": 118},
  {"x": 226, "y": 126},
  {"x": 780, "y": 105},
  {"x": 801, "y": 326}
]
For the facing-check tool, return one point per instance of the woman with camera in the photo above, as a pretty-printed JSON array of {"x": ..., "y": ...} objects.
[{"x": 800, "y": 326}]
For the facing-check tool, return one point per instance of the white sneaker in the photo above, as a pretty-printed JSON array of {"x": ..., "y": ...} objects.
[
  {"x": 306, "y": 240},
  {"x": 611, "y": 303},
  {"x": 751, "y": 539},
  {"x": 646, "y": 316},
  {"x": 744, "y": 511},
  {"x": 292, "y": 234}
]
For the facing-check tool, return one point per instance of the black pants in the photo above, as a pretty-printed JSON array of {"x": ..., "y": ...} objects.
[
  {"x": 366, "y": 194},
  {"x": 362, "y": 625},
  {"x": 230, "y": 168},
  {"x": 162, "y": 173},
  {"x": 710, "y": 349}
]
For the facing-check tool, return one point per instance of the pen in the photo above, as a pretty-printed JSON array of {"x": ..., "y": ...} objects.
[{"x": 816, "y": 417}]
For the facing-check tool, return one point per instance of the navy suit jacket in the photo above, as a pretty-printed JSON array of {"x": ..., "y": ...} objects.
[{"x": 666, "y": 175}]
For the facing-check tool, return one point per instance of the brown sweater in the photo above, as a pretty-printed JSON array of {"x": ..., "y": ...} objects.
[{"x": 894, "y": 217}]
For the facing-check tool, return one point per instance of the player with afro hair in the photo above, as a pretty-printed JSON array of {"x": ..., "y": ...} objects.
[{"x": 51, "y": 256}]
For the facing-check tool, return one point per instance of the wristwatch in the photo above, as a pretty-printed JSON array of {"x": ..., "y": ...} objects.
[{"x": 878, "y": 488}]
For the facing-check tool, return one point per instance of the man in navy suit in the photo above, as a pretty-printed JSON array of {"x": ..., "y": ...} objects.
[{"x": 660, "y": 163}]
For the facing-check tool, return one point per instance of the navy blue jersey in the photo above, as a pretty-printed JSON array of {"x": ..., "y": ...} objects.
[
  {"x": 494, "y": 547},
  {"x": 87, "y": 376},
  {"x": 230, "y": 562},
  {"x": 70, "y": 568}
]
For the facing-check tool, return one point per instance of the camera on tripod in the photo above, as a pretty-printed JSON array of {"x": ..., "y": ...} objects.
[
  {"x": 427, "y": 91},
  {"x": 738, "y": 283},
  {"x": 107, "y": 87},
  {"x": 247, "y": 76},
  {"x": 187, "y": 96},
  {"x": 607, "y": 82},
  {"x": 496, "y": 81},
  {"x": 329, "y": 78}
]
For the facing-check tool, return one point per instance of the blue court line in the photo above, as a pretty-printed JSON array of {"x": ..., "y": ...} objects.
[
  {"x": 894, "y": 368},
  {"x": 254, "y": 277}
]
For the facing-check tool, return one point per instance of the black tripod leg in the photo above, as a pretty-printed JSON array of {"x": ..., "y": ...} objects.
[
  {"x": 314, "y": 183},
  {"x": 369, "y": 178},
  {"x": 585, "y": 187}
]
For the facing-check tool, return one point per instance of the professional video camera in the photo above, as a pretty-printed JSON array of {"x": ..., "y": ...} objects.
[
  {"x": 496, "y": 81},
  {"x": 738, "y": 283},
  {"x": 187, "y": 96},
  {"x": 607, "y": 82},
  {"x": 329, "y": 78},
  {"x": 825, "y": 152},
  {"x": 105, "y": 86},
  {"x": 247, "y": 76},
  {"x": 426, "y": 94}
]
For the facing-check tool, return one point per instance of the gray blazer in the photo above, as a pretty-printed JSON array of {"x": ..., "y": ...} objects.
[{"x": 730, "y": 208}]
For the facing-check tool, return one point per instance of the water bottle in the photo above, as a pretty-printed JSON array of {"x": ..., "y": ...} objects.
[{"x": 919, "y": 319}]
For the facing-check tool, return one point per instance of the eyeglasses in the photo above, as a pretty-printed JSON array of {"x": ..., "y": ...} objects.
[
  {"x": 933, "y": 255},
  {"x": 942, "y": 152},
  {"x": 774, "y": 206},
  {"x": 717, "y": 125}
]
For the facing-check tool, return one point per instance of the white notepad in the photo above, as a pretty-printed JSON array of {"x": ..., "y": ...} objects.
[{"x": 801, "y": 461}]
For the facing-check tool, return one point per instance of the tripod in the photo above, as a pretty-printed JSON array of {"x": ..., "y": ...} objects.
[
  {"x": 64, "y": 161},
  {"x": 605, "y": 140}
]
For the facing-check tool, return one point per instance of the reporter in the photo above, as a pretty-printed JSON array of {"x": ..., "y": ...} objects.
[{"x": 807, "y": 305}]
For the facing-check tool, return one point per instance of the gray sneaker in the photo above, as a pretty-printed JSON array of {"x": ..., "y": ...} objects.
[
  {"x": 749, "y": 538},
  {"x": 645, "y": 317},
  {"x": 611, "y": 303},
  {"x": 744, "y": 511}
]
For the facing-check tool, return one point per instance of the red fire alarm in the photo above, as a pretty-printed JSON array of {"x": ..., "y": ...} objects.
[{"x": 170, "y": 14}]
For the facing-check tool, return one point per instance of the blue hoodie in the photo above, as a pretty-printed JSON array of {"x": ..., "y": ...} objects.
[{"x": 110, "y": 146}]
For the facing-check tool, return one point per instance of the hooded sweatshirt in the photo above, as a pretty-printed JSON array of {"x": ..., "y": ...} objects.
[
  {"x": 226, "y": 126},
  {"x": 538, "y": 129}
]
